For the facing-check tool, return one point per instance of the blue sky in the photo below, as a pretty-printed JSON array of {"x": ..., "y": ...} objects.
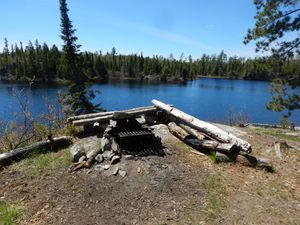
[{"x": 132, "y": 26}]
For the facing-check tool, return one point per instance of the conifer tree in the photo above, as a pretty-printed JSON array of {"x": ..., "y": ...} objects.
[{"x": 78, "y": 96}]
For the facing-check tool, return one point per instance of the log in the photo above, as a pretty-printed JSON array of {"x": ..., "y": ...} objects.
[
  {"x": 101, "y": 114},
  {"x": 105, "y": 118},
  {"x": 246, "y": 160},
  {"x": 204, "y": 127},
  {"x": 19, "y": 153},
  {"x": 200, "y": 145}
]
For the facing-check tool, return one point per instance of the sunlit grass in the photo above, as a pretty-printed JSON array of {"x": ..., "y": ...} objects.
[{"x": 9, "y": 213}]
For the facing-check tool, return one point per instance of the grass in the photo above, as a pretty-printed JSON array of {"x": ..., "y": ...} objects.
[
  {"x": 278, "y": 133},
  {"x": 9, "y": 213},
  {"x": 38, "y": 164},
  {"x": 217, "y": 191}
]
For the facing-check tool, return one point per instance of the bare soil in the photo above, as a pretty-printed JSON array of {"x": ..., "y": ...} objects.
[{"x": 179, "y": 188}]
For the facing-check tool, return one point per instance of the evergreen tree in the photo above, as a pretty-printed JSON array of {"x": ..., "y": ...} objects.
[
  {"x": 78, "y": 97},
  {"x": 274, "y": 19}
]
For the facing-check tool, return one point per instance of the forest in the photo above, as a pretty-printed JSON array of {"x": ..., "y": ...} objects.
[{"x": 41, "y": 63}]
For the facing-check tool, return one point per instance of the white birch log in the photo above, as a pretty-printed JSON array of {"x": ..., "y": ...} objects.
[{"x": 204, "y": 127}]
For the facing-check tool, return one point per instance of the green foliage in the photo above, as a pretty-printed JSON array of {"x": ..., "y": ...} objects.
[
  {"x": 9, "y": 214},
  {"x": 285, "y": 122},
  {"x": 70, "y": 66},
  {"x": 275, "y": 18}
]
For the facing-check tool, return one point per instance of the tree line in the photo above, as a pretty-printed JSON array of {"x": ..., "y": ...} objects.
[{"x": 42, "y": 63}]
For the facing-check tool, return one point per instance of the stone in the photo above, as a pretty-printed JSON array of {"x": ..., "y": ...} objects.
[
  {"x": 82, "y": 158},
  {"x": 108, "y": 155},
  {"x": 98, "y": 168},
  {"x": 106, "y": 166},
  {"x": 99, "y": 158},
  {"x": 106, "y": 143},
  {"x": 115, "y": 159},
  {"x": 139, "y": 169},
  {"x": 77, "y": 151},
  {"x": 122, "y": 173},
  {"x": 89, "y": 171},
  {"x": 115, "y": 147},
  {"x": 128, "y": 157},
  {"x": 115, "y": 172}
]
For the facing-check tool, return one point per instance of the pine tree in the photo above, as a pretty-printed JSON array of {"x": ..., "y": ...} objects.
[{"x": 78, "y": 96}]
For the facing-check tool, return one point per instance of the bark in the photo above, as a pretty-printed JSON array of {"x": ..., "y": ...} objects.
[
  {"x": 200, "y": 145},
  {"x": 207, "y": 128},
  {"x": 101, "y": 114},
  {"x": 19, "y": 153},
  {"x": 246, "y": 160},
  {"x": 106, "y": 118}
]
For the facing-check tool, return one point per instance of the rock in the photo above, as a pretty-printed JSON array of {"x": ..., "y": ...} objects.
[
  {"x": 89, "y": 171},
  {"x": 128, "y": 157},
  {"x": 106, "y": 143},
  {"x": 167, "y": 151},
  {"x": 106, "y": 166},
  {"x": 115, "y": 147},
  {"x": 98, "y": 168},
  {"x": 122, "y": 173},
  {"x": 108, "y": 155},
  {"x": 82, "y": 158},
  {"x": 115, "y": 172},
  {"x": 139, "y": 169},
  {"x": 77, "y": 151},
  {"x": 99, "y": 158},
  {"x": 115, "y": 159}
]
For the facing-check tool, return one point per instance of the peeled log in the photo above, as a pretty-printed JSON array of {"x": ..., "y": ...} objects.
[
  {"x": 200, "y": 145},
  {"x": 100, "y": 114},
  {"x": 132, "y": 112},
  {"x": 19, "y": 153},
  {"x": 204, "y": 127}
]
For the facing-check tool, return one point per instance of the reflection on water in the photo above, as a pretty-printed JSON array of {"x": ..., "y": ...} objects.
[{"x": 208, "y": 99}]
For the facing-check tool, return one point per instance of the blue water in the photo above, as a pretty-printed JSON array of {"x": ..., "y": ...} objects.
[{"x": 206, "y": 98}]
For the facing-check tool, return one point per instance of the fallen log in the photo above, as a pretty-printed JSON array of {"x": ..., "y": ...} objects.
[
  {"x": 19, "y": 153},
  {"x": 246, "y": 160},
  {"x": 204, "y": 127},
  {"x": 133, "y": 112},
  {"x": 101, "y": 114},
  {"x": 200, "y": 145},
  {"x": 86, "y": 163}
]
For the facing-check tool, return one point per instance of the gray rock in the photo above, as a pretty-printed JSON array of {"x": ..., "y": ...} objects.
[
  {"x": 82, "y": 158},
  {"x": 115, "y": 159},
  {"x": 106, "y": 166},
  {"x": 122, "y": 173},
  {"x": 77, "y": 151},
  {"x": 115, "y": 172},
  {"x": 115, "y": 147},
  {"x": 128, "y": 157},
  {"x": 89, "y": 171},
  {"x": 99, "y": 158},
  {"x": 108, "y": 155},
  {"x": 106, "y": 144},
  {"x": 98, "y": 168}
]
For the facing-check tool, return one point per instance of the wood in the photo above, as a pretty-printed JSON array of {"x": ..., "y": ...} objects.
[
  {"x": 200, "y": 145},
  {"x": 246, "y": 160},
  {"x": 86, "y": 163},
  {"x": 19, "y": 153},
  {"x": 204, "y": 127},
  {"x": 105, "y": 118},
  {"x": 101, "y": 114}
]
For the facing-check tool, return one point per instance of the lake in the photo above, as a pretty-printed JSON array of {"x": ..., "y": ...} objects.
[{"x": 206, "y": 98}]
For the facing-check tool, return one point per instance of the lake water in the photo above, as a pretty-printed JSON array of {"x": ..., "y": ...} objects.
[{"x": 208, "y": 99}]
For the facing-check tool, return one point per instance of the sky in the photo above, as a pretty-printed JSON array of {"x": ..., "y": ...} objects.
[{"x": 154, "y": 27}]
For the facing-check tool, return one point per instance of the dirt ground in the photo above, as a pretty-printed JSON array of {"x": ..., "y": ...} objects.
[{"x": 179, "y": 188}]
